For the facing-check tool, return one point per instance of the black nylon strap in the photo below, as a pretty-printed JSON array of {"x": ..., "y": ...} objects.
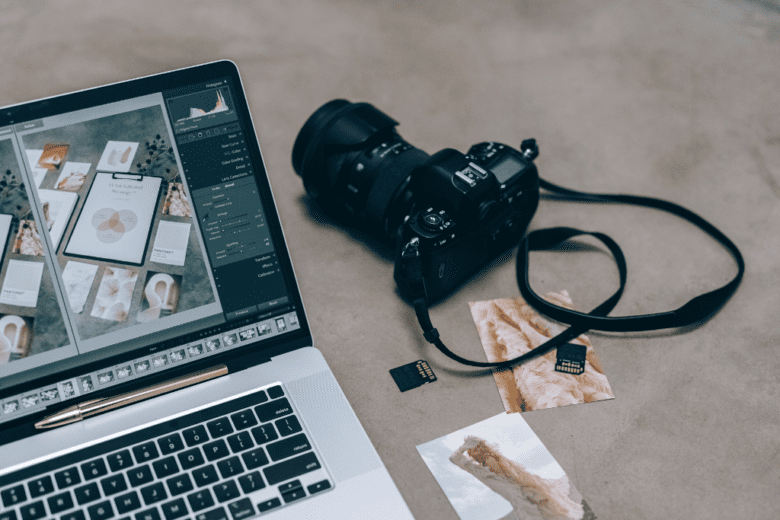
[
  {"x": 542, "y": 239},
  {"x": 700, "y": 308}
]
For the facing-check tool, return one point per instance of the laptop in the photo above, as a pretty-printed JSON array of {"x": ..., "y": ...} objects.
[{"x": 140, "y": 244}]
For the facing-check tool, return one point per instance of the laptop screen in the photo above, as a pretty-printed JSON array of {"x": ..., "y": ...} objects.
[{"x": 137, "y": 236}]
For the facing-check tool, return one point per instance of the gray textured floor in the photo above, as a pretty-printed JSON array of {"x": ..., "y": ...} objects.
[{"x": 679, "y": 100}]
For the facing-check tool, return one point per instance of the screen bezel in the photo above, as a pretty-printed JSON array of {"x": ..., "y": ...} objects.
[{"x": 160, "y": 83}]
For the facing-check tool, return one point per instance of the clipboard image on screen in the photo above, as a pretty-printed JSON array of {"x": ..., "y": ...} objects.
[{"x": 116, "y": 219}]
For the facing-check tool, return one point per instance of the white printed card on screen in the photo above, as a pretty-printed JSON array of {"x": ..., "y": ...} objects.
[
  {"x": 117, "y": 156},
  {"x": 116, "y": 218},
  {"x": 57, "y": 209},
  {"x": 170, "y": 244},
  {"x": 22, "y": 283}
]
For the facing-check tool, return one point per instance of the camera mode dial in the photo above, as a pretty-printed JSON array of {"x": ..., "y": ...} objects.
[
  {"x": 434, "y": 221},
  {"x": 483, "y": 152}
]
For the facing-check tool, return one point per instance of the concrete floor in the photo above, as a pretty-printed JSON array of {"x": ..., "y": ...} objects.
[{"x": 679, "y": 100}]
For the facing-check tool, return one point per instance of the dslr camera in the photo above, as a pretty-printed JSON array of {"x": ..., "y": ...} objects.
[{"x": 455, "y": 211}]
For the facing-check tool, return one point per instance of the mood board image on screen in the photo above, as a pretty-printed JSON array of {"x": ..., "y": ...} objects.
[{"x": 115, "y": 217}]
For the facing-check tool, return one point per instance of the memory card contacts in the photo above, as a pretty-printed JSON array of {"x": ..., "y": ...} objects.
[{"x": 412, "y": 375}]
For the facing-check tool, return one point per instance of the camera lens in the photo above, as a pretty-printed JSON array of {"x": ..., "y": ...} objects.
[{"x": 357, "y": 166}]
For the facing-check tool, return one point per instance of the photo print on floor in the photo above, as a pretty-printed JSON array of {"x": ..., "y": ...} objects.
[
  {"x": 509, "y": 328},
  {"x": 498, "y": 469}
]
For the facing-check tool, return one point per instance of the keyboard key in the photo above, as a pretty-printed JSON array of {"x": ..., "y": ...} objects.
[
  {"x": 289, "y": 486},
  {"x": 149, "y": 514},
  {"x": 200, "y": 500},
  {"x": 33, "y": 511},
  {"x": 8, "y": 515},
  {"x": 229, "y": 467},
  {"x": 288, "y": 426},
  {"x": 13, "y": 495},
  {"x": 120, "y": 461},
  {"x": 240, "y": 442},
  {"x": 268, "y": 504},
  {"x": 140, "y": 475},
  {"x": 319, "y": 486},
  {"x": 180, "y": 484},
  {"x": 241, "y": 509},
  {"x": 205, "y": 475},
  {"x": 190, "y": 459},
  {"x": 74, "y": 515},
  {"x": 288, "y": 447},
  {"x": 292, "y": 496},
  {"x": 40, "y": 486},
  {"x": 216, "y": 450},
  {"x": 113, "y": 484},
  {"x": 195, "y": 436},
  {"x": 165, "y": 467},
  {"x": 170, "y": 443},
  {"x": 127, "y": 502},
  {"x": 255, "y": 458},
  {"x": 101, "y": 511},
  {"x": 86, "y": 494},
  {"x": 153, "y": 493},
  {"x": 94, "y": 469},
  {"x": 264, "y": 433},
  {"x": 291, "y": 468},
  {"x": 174, "y": 509},
  {"x": 145, "y": 452},
  {"x": 273, "y": 410},
  {"x": 251, "y": 482},
  {"x": 60, "y": 503},
  {"x": 214, "y": 514},
  {"x": 275, "y": 392},
  {"x": 67, "y": 477},
  {"x": 244, "y": 419},
  {"x": 219, "y": 427},
  {"x": 225, "y": 491}
]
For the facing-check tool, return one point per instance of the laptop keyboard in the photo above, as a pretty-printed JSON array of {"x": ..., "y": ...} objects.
[{"x": 227, "y": 462}]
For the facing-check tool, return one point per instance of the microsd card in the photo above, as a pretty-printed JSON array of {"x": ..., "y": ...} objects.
[
  {"x": 413, "y": 375},
  {"x": 571, "y": 359}
]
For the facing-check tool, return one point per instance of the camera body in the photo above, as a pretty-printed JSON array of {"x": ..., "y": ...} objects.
[
  {"x": 468, "y": 209},
  {"x": 455, "y": 211}
]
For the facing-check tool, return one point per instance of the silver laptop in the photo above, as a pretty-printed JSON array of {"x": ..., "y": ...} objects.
[{"x": 141, "y": 244}]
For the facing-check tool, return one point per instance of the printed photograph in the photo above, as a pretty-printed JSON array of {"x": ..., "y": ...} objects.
[
  {"x": 115, "y": 294},
  {"x": 72, "y": 176},
  {"x": 117, "y": 156},
  {"x": 160, "y": 296},
  {"x": 15, "y": 337},
  {"x": 498, "y": 469},
  {"x": 53, "y": 156},
  {"x": 78, "y": 278},
  {"x": 509, "y": 328},
  {"x": 57, "y": 209},
  {"x": 28, "y": 240},
  {"x": 176, "y": 202}
]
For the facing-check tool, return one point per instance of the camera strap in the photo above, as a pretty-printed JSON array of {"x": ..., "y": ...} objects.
[{"x": 697, "y": 310}]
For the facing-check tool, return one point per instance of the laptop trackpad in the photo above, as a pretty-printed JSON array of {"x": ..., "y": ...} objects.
[{"x": 333, "y": 425}]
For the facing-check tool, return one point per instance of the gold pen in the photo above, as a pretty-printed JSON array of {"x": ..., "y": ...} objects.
[{"x": 96, "y": 406}]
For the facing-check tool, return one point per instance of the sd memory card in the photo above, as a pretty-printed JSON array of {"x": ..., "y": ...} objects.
[
  {"x": 412, "y": 375},
  {"x": 571, "y": 358}
]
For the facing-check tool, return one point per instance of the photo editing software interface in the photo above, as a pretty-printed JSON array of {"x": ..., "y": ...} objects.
[{"x": 133, "y": 230}]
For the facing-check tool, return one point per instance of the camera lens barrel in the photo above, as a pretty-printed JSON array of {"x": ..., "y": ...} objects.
[{"x": 357, "y": 166}]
